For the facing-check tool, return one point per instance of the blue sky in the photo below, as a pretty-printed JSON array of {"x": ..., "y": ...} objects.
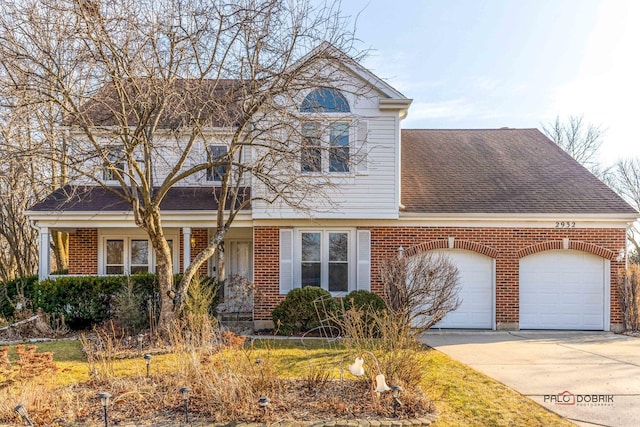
[{"x": 515, "y": 63}]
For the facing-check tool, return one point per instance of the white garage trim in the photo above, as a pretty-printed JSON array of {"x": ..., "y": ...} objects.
[
  {"x": 473, "y": 265},
  {"x": 565, "y": 289}
]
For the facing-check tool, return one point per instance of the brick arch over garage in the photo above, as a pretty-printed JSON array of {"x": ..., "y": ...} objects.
[
  {"x": 451, "y": 243},
  {"x": 570, "y": 244}
]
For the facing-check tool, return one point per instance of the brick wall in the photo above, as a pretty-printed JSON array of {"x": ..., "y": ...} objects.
[
  {"x": 266, "y": 271},
  {"x": 201, "y": 238},
  {"x": 506, "y": 245},
  {"x": 83, "y": 251}
]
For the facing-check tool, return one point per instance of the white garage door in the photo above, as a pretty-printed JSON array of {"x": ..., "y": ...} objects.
[
  {"x": 562, "y": 290},
  {"x": 476, "y": 291}
]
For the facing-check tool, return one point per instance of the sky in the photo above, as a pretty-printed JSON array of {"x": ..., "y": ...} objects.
[{"x": 514, "y": 63}]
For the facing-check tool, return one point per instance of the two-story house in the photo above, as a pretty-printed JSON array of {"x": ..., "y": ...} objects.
[{"x": 539, "y": 241}]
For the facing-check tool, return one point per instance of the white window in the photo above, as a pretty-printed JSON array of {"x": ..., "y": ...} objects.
[
  {"x": 325, "y": 148},
  {"x": 325, "y": 258},
  {"x": 129, "y": 255},
  {"x": 326, "y": 144},
  {"x": 216, "y": 153},
  {"x": 114, "y": 164}
]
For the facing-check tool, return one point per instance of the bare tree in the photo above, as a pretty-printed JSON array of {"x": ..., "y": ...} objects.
[
  {"x": 147, "y": 85},
  {"x": 627, "y": 184},
  {"x": 420, "y": 290},
  {"x": 580, "y": 140}
]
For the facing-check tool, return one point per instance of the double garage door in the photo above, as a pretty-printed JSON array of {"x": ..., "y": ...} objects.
[{"x": 558, "y": 290}]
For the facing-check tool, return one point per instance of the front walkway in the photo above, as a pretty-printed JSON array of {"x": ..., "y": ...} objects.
[{"x": 591, "y": 378}]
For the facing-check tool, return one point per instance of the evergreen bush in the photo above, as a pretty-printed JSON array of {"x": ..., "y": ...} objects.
[{"x": 303, "y": 309}]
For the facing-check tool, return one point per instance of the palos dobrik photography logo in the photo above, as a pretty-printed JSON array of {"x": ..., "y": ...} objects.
[{"x": 567, "y": 398}]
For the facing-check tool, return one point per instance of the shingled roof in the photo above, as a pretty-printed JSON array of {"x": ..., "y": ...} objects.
[
  {"x": 101, "y": 199},
  {"x": 510, "y": 171},
  {"x": 216, "y": 102}
]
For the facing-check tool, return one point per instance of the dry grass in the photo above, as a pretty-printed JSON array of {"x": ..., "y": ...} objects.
[{"x": 302, "y": 380}]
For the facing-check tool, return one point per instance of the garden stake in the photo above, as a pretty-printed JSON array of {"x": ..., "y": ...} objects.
[{"x": 185, "y": 396}]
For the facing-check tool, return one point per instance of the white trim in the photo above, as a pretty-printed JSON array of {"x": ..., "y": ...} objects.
[
  {"x": 607, "y": 294},
  {"x": 186, "y": 247},
  {"x": 494, "y": 308},
  {"x": 44, "y": 254},
  {"x": 480, "y": 222}
]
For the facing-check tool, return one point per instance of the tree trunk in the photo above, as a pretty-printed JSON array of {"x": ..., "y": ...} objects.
[
  {"x": 60, "y": 246},
  {"x": 151, "y": 222}
]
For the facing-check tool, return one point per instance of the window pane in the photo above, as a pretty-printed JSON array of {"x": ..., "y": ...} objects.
[
  {"x": 216, "y": 153},
  {"x": 338, "y": 243},
  {"x": 324, "y": 100},
  {"x": 115, "y": 269},
  {"x": 311, "y": 153},
  {"x": 311, "y": 247},
  {"x": 339, "y": 147},
  {"x": 139, "y": 269},
  {"x": 115, "y": 252},
  {"x": 310, "y": 274},
  {"x": 338, "y": 277},
  {"x": 115, "y": 160},
  {"x": 139, "y": 252}
]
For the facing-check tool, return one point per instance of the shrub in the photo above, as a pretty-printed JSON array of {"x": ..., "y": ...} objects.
[
  {"x": 420, "y": 290},
  {"x": 83, "y": 301},
  {"x": 87, "y": 300},
  {"x": 360, "y": 311},
  {"x": 303, "y": 309},
  {"x": 129, "y": 308},
  {"x": 629, "y": 288},
  {"x": 16, "y": 293},
  {"x": 364, "y": 300}
]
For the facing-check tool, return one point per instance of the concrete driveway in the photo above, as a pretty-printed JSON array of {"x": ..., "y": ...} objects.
[{"x": 590, "y": 378}]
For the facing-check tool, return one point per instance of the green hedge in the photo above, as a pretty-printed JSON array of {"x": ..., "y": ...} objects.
[{"x": 87, "y": 300}]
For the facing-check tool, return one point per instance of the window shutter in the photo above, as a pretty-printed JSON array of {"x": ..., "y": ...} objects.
[
  {"x": 361, "y": 158},
  {"x": 286, "y": 260},
  {"x": 363, "y": 281}
]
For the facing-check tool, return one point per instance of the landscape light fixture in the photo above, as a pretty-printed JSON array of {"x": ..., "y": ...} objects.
[
  {"x": 104, "y": 401},
  {"x": 395, "y": 393},
  {"x": 357, "y": 369},
  {"x": 185, "y": 397},
  {"x": 22, "y": 411},
  {"x": 140, "y": 338},
  {"x": 381, "y": 384},
  {"x": 147, "y": 359},
  {"x": 264, "y": 403}
]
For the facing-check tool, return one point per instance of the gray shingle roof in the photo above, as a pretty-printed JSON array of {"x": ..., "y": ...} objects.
[
  {"x": 100, "y": 199},
  {"x": 215, "y": 102},
  {"x": 498, "y": 171}
]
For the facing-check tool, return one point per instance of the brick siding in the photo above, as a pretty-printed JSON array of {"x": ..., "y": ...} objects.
[
  {"x": 201, "y": 237},
  {"x": 83, "y": 251},
  {"x": 506, "y": 245}
]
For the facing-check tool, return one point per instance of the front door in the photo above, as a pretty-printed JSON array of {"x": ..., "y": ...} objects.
[{"x": 240, "y": 267}]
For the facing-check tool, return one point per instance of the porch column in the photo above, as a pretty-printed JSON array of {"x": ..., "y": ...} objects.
[
  {"x": 186, "y": 244},
  {"x": 43, "y": 254}
]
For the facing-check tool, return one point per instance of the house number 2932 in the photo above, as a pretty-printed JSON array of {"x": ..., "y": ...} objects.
[{"x": 565, "y": 224}]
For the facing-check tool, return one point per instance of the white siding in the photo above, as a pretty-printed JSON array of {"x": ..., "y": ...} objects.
[{"x": 358, "y": 195}]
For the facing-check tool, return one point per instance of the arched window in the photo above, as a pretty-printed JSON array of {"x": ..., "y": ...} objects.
[{"x": 324, "y": 100}]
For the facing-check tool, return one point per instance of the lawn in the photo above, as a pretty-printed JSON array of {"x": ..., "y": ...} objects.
[{"x": 462, "y": 395}]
